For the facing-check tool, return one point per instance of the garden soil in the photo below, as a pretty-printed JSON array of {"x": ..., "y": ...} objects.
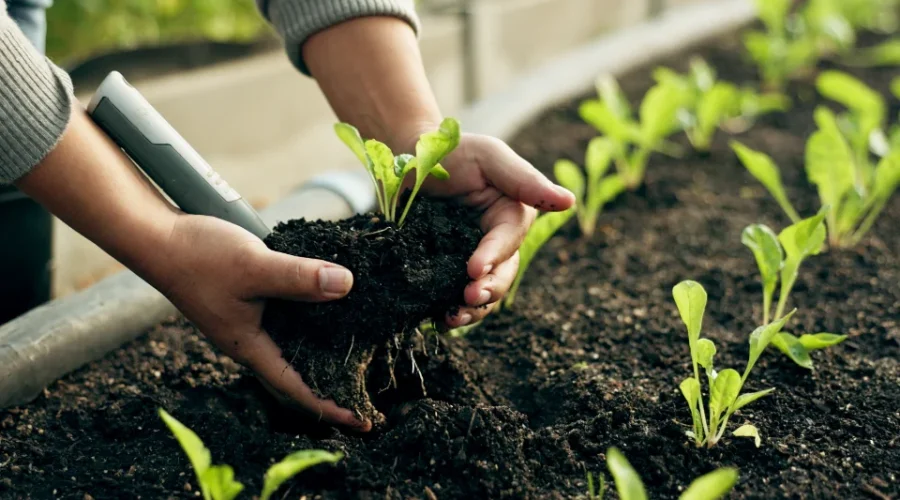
[{"x": 590, "y": 357}]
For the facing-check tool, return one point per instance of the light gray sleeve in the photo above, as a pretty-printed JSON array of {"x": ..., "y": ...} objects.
[
  {"x": 35, "y": 102},
  {"x": 297, "y": 20}
]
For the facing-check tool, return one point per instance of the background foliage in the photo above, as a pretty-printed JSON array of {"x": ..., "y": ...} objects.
[{"x": 80, "y": 28}]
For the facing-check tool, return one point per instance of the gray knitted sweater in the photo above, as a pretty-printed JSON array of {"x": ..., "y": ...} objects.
[{"x": 36, "y": 96}]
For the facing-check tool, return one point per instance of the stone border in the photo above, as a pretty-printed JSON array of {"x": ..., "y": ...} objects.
[{"x": 52, "y": 340}]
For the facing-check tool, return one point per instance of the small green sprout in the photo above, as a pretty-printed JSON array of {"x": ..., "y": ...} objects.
[
  {"x": 389, "y": 171},
  {"x": 725, "y": 386},
  {"x": 711, "y": 486},
  {"x": 633, "y": 141},
  {"x": 708, "y": 104},
  {"x": 544, "y": 227},
  {"x": 595, "y": 191},
  {"x": 885, "y": 54},
  {"x": 217, "y": 481},
  {"x": 854, "y": 188}
]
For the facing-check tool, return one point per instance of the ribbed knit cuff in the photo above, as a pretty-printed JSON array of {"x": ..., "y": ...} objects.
[
  {"x": 35, "y": 103},
  {"x": 297, "y": 20}
]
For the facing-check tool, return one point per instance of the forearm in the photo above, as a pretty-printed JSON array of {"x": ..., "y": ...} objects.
[
  {"x": 370, "y": 70},
  {"x": 93, "y": 187}
]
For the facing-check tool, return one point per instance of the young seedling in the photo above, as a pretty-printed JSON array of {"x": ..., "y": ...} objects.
[
  {"x": 633, "y": 141},
  {"x": 710, "y": 486},
  {"x": 853, "y": 192},
  {"x": 544, "y": 227},
  {"x": 217, "y": 481},
  {"x": 725, "y": 386},
  {"x": 388, "y": 171},
  {"x": 597, "y": 189},
  {"x": 708, "y": 104}
]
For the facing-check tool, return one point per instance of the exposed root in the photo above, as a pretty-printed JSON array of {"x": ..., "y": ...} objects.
[{"x": 352, "y": 341}]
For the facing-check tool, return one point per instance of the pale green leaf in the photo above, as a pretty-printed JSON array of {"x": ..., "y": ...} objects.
[
  {"x": 569, "y": 176},
  {"x": 598, "y": 115},
  {"x": 791, "y": 346},
  {"x": 763, "y": 242},
  {"x": 886, "y": 53},
  {"x": 711, "y": 486},
  {"x": 383, "y": 163},
  {"x": 724, "y": 392},
  {"x": 349, "y": 135},
  {"x": 663, "y": 74},
  {"x": 433, "y": 147},
  {"x": 829, "y": 160},
  {"x": 193, "y": 447},
  {"x": 403, "y": 164},
  {"x": 690, "y": 389},
  {"x": 543, "y": 228},
  {"x": 761, "y": 166},
  {"x": 706, "y": 351},
  {"x": 887, "y": 176},
  {"x": 220, "y": 481},
  {"x": 612, "y": 96},
  {"x": 292, "y": 465},
  {"x": 761, "y": 337},
  {"x": 628, "y": 483},
  {"x": 702, "y": 74},
  {"x": 597, "y": 160},
  {"x": 748, "y": 430},
  {"x": 814, "y": 341},
  {"x": 715, "y": 106},
  {"x": 799, "y": 241},
  {"x": 745, "y": 399},
  {"x": 440, "y": 173},
  {"x": 690, "y": 298},
  {"x": 773, "y": 13},
  {"x": 610, "y": 188},
  {"x": 658, "y": 112},
  {"x": 851, "y": 92}
]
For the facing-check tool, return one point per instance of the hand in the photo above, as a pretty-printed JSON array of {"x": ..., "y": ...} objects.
[
  {"x": 487, "y": 174},
  {"x": 219, "y": 275}
]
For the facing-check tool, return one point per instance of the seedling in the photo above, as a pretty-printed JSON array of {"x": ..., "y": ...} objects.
[
  {"x": 725, "y": 386},
  {"x": 544, "y": 227},
  {"x": 633, "y": 141},
  {"x": 597, "y": 189},
  {"x": 708, "y": 104},
  {"x": 853, "y": 191},
  {"x": 710, "y": 486},
  {"x": 217, "y": 481},
  {"x": 388, "y": 171}
]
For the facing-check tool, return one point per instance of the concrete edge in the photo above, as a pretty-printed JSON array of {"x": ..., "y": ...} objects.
[
  {"x": 52, "y": 340},
  {"x": 504, "y": 113}
]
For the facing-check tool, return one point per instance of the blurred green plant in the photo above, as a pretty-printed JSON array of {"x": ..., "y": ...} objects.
[{"x": 80, "y": 29}]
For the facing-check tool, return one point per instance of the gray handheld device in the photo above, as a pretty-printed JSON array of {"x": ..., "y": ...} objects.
[{"x": 166, "y": 157}]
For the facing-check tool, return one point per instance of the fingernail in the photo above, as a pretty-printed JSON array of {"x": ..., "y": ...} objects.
[
  {"x": 486, "y": 269},
  {"x": 335, "y": 280},
  {"x": 464, "y": 319},
  {"x": 483, "y": 297},
  {"x": 562, "y": 191}
]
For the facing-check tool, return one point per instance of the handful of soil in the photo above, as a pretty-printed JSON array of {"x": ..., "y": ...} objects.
[{"x": 402, "y": 277}]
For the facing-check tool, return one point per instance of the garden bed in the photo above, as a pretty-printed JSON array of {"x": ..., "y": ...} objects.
[{"x": 590, "y": 357}]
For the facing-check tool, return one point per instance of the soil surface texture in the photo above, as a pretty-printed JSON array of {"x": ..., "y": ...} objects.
[
  {"x": 590, "y": 357},
  {"x": 402, "y": 277}
]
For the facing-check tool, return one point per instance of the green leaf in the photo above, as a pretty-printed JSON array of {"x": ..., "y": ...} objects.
[
  {"x": 440, "y": 173},
  {"x": 852, "y": 93},
  {"x": 403, "y": 164},
  {"x": 748, "y": 430},
  {"x": 887, "y": 176},
  {"x": 773, "y": 13},
  {"x": 702, "y": 74},
  {"x": 569, "y": 176},
  {"x": 814, "y": 341},
  {"x": 706, "y": 351},
  {"x": 292, "y": 465},
  {"x": 383, "y": 164},
  {"x": 350, "y": 136},
  {"x": 715, "y": 106},
  {"x": 724, "y": 392},
  {"x": 193, "y": 447},
  {"x": 690, "y": 298},
  {"x": 220, "y": 481},
  {"x": 791, "y": 346},
  {"x": 829, "y": 160},
  {"x": 884, "y": 54},
  {"x": 763, "y": 242},
  {"x": 598, "y": 115},
  {"x": 431, "y": 149},
  {"x": 745, "y": 399},
  {"x": 761, "y": 166},
  {"x": 760, "y": 339},
  {"x": 799, "y": 241},
  {"x": 597, "y": 160},
  {"x": 711, "y": 486},
  {"x": 612, "y": 96},
  {"x": 690, "y": 389},
  {"x": 658, "y": 113},
  {"x": 628, "y": 483},
  {"x": 544, "y": 227}
]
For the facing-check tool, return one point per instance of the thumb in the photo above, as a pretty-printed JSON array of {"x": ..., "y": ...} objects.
[{"x": 276, "y": 274}]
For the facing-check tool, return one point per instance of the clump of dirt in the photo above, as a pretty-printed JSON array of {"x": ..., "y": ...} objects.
[{"x": 402, "y": 277}]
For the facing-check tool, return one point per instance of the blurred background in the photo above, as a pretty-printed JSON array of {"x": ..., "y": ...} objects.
[{"x": 217, "y": 72}]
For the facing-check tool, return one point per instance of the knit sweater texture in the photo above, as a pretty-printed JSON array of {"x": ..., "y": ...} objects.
[{"x": 36, "y": 96}]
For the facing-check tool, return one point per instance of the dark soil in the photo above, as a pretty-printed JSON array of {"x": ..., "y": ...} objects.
[
  {"x": 402, "y": 277},
  {"x": 590, "y": 357}
]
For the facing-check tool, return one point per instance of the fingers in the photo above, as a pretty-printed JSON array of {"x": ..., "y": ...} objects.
[
  {"x": 276, "y": 274},
  {"x": 481, "y": 293},
  {"x": 506, "y": 222},
  {"x": 260, "y": 354},
  {"x": 518, "y": 179}
]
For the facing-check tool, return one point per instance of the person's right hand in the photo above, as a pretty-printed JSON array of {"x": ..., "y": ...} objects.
[{"x": 219, "y": 275}]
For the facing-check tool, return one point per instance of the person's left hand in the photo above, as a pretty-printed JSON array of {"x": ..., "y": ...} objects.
[{"x": 487, "y": 174}]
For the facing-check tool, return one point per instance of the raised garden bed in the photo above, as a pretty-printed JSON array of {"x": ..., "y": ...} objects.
[{"x": 589, "y": 357}]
